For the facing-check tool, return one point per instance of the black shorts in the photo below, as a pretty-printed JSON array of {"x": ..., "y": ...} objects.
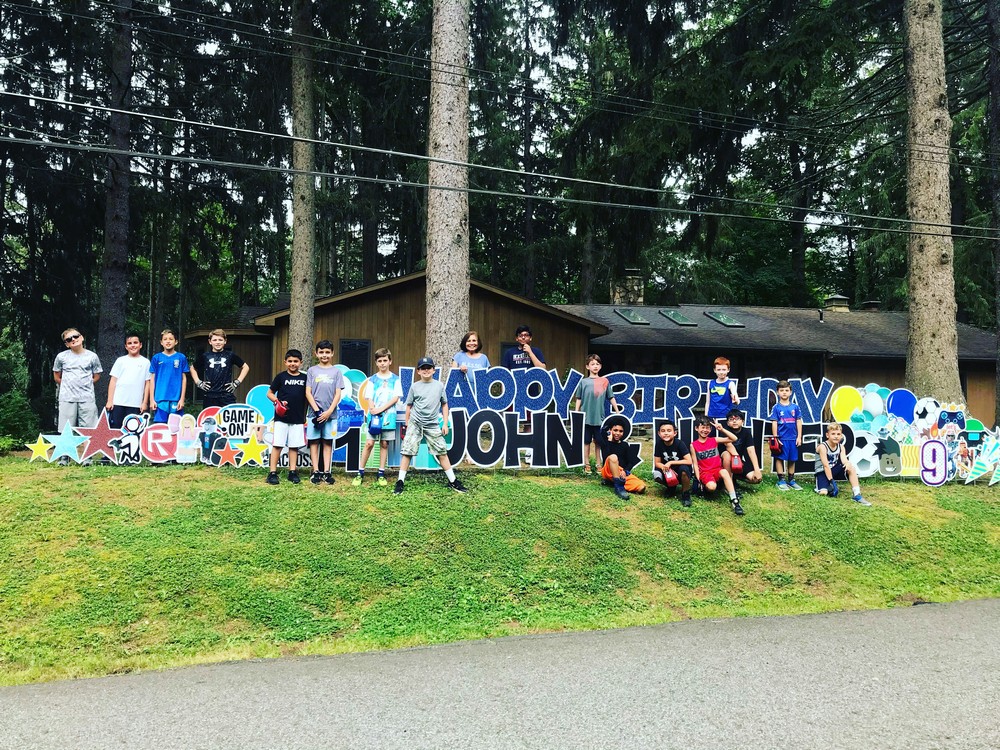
[
  {"x": 590, "y": 433},
  {"x": 218, "y": 399},
  {"x": 116, "y": 417}
]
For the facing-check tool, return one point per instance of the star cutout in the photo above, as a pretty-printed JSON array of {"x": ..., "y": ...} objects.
[
  {"x": 252, "y": 450},
  {"x": 65, "y": 444},
  {"x": 227, "y": 455},
  {"x": 100, "y": 436},
  {"x": 39, "y": 449}
]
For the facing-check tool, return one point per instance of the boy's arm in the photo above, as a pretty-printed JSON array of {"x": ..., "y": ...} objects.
[
  {"x": 312, "y": 401},
  {"x": 111, "y": 393},
  {"x": 195, "y": 376},
  {"x": 444, "y": 416},
  {"x": 575, "y": 408},
  {"x": 821, "y": 450},
  {"x": 152, "y": 390},
  {"x": 272, "y": 396},
  {"x": 406, "y": 416},
  {"x": 244, "y": 371},
  {"x": 147, "y": 395},
  {"x": 774, "y": 427},
  {"x": 184, "y": 387},
  {"x": 798, "y": 430},
  {"x": 752, "y": 455},
  {"x": 732, "y": 391}
]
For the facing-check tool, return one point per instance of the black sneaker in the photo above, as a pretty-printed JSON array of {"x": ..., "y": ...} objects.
[
  {"x": 328, "y": 478},
  {"x": 398, "y": 489},
  {"x": 315, "y": 477},
  {"x": 293, "y": 477},
  {"x": 458, "y": 486},
  {"x": 622, "y": 492},
  {"x": 272, "y": 478},
  {"x": 686, "y": 499},
  {"x": 737, "y": 508}
]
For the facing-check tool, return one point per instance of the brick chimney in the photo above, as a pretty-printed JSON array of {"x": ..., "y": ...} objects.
[{"x": 629, "y": 289}]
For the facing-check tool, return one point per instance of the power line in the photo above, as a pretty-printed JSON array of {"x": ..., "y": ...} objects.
[
  {"x": 636, "y": 107},
  {"x": 679, "y": 194},
  {"x": 514, "y": 195}
]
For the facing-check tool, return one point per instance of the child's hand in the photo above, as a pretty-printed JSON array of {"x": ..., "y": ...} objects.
[
  {"x": 798, "y": 441},
  {"x": 180, "y": 406},
  {"x": 444, "y": 428}
]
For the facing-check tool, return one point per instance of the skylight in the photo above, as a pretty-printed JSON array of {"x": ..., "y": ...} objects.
[
  {"x": 631, "y": 316},
  {"x": 676, "y": 316},
  {"x": 727, "y": 320}
]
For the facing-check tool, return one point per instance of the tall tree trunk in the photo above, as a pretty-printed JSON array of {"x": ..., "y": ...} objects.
[
  {"x": 115, "y": 270},
  {"x": 527, "y": 137},
  {"x": 448, "y": 209},
  {"x": 932, "y": 355},
  {"x": 993, "y": 117},
  {"x": 303, "y": 281}
]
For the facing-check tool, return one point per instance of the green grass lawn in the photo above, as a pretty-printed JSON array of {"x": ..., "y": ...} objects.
[{"x": 108, "y": 569}]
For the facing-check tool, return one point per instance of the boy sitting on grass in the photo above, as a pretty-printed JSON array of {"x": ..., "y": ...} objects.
[
  {"x": 708, "y": 469},
  {"x": 832, "y": 464},
  {"x": 672, "y": 461},
  {"x": 748, "y": 467},
  {"x": 619, "y": 458}
]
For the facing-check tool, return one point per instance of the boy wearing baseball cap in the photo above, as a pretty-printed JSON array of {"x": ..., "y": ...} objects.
[{"x": 425, "y": 403}]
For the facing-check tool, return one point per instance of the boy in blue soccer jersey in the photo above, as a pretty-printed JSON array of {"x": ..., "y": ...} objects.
[
  {"x": 167, "y": 381},
  {"x": 786, "y": 426}
]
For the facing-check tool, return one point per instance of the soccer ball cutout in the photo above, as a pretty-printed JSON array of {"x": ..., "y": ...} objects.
[{"x": 864, "y": 456}]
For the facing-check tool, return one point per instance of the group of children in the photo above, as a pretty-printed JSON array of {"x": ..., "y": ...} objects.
[
  {"x": 726, "y": 452},
  {"x": 305, "y": 408},
  {"x": 306, "y": 413}
]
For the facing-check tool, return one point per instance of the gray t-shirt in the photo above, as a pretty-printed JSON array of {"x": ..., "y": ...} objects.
[
  {"x": 78, "y": 372},
  {"x": 426, "y": 400},
  {"x": 324, "y": 382}
]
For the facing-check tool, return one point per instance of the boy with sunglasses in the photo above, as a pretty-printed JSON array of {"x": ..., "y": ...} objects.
[
  {"x": 75, "y": 371},
  {"x": 426, "y": 401}
]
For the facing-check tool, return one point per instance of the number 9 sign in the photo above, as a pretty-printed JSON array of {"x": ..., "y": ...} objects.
[{"x": 933, "y": 463}]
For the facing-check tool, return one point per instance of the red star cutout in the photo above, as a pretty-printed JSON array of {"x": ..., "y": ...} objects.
[
  {"x": 227, "y": 455},
  {"x": 99, "y": 436}
]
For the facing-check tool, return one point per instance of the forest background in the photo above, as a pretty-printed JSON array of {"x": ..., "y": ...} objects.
[{"x": 738, "y": 152}]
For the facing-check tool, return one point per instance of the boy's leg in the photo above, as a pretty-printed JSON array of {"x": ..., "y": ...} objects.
[
  {"x": 314, "y": 446},
  {"x": 365, "y": 455},
  {"x": 327, "y": 455},
  {"x": 293, "y": 459}
]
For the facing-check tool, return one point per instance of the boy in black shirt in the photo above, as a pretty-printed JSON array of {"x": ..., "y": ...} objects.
[
  {"x": 288, "y": 392},
  {"x": 619, "y": 457},
  {"x": 213, "y": 371},
  {"x": 750, "y": 470},
  {"x": 671, "y": 454}
]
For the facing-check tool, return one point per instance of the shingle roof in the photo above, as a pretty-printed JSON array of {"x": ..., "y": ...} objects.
[{"x": 840, "y": 334}]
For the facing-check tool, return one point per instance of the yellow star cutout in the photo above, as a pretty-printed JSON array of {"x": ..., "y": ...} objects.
[
  {"x": 39, "y": 449},
  {"x": 253, "y": 451}
]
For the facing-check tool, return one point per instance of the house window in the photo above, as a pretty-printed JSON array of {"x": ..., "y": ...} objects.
[{"x": 356, "y": 354}]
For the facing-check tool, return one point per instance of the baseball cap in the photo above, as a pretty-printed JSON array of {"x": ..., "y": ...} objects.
[{"x": 425, "y": 362}]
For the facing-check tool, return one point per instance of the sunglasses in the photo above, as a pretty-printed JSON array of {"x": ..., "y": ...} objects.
[{"x": 74, "y": 337}]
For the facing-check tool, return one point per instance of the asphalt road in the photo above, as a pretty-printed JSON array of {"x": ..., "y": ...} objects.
[{"x": 921, "y": 677}]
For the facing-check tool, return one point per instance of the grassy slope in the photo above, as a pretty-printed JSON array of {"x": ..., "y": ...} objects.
[{"x": 116, "y": 569}]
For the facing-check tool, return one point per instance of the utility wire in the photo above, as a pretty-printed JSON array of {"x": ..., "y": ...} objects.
[
  {"x": 502, "y": 170},
  {"x": 515, "y": 195}
]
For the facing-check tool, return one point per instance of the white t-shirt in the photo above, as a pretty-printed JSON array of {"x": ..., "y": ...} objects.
[{"x": 132, "y": 374}]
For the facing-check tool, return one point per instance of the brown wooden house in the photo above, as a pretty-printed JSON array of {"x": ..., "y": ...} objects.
[{"x": 392, "y": 314}]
